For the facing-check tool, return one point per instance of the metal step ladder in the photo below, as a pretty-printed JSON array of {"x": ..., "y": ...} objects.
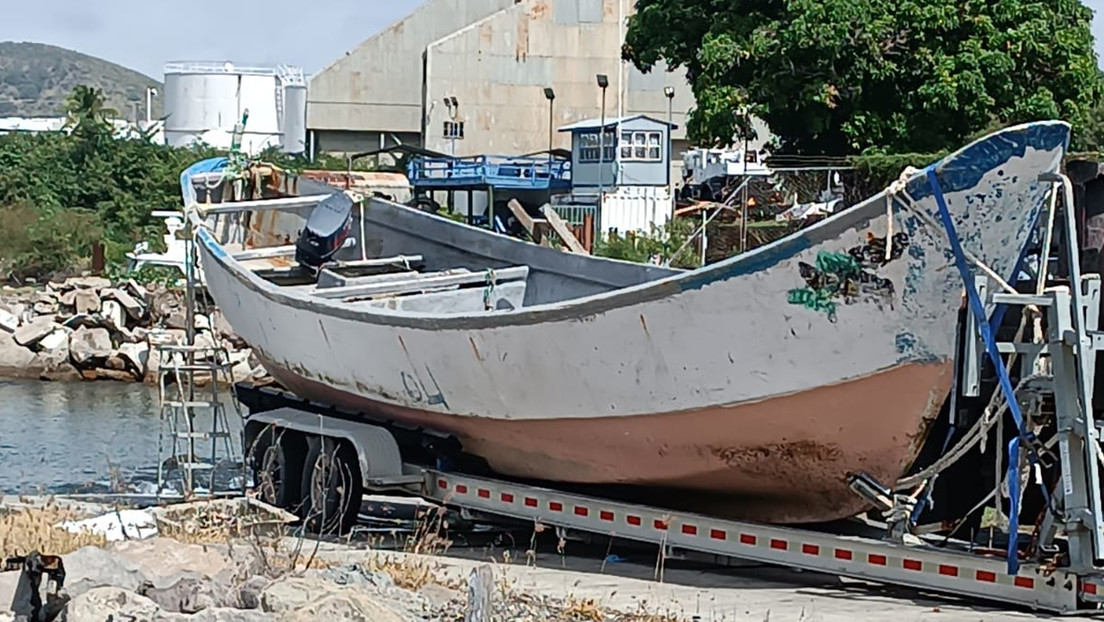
[{"x": 185, "y": 405}]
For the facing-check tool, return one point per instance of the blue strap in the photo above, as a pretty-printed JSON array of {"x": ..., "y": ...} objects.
[{"x": 1002, "y": 374}]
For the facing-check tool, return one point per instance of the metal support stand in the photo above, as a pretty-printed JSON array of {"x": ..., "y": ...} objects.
[{"x": 1072, "y": 343}]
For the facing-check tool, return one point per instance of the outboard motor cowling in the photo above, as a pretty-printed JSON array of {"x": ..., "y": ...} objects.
[{"x": 325, "y": 232}]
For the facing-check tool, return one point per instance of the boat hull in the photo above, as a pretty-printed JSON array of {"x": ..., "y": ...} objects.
[
  {"x": 773, "y": 461},
  {"x": 754, "y": 386}
]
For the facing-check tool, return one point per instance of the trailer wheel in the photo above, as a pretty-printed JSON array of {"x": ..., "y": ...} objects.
[
  {"x": 332, "y": 487},
  {"x": 277, "y": 459}
]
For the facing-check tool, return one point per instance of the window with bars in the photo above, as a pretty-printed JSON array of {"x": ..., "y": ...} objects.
[
  {"x": 641, "y": 146},
  {"x": 454, "y": 129},
  {"x": 589, "y": 147}
]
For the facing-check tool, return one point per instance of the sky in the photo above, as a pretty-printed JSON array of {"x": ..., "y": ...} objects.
[{"x": 144, "y": 35}]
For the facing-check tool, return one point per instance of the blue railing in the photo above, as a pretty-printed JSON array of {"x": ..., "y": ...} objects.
[{"x": 521, "y": 173}]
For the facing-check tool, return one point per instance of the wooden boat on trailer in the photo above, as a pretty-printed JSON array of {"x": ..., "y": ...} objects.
[{"x": 751, "y": 388}]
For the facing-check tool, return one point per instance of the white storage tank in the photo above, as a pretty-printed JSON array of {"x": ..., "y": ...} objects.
[
  {"x": 205, "y": 100},
  {"x": 295, "y": 118}
]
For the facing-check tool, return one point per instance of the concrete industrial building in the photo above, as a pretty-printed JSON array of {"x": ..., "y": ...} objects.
[{"x": 469, "y": 77}]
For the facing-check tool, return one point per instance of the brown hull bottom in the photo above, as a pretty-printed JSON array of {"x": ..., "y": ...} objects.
[{"x": 783, "y": 460}]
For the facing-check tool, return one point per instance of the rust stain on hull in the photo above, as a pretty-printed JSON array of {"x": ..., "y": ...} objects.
[{"x": 783, "y": 460}]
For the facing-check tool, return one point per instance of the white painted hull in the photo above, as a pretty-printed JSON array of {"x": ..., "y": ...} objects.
[{"x": 728, "y": 340}]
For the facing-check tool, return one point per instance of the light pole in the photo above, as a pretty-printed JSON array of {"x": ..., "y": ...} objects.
[
  {"x": 550, "y": 95},
  {"x": 603, "y": 83}
]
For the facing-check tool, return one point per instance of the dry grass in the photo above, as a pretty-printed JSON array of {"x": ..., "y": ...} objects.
[
  {"x": 278, "y": 561},
  {"x": 414, "y": 569},
  {"x": 213, "y": 522},
  {"x": 23, "y": 530},
  {"x": 407, "y": 571},
  {"x": 586, "y": 609},
  {"x": 644, "y": 614}
]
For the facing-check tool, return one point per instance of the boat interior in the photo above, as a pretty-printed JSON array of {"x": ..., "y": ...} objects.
[{"x": 397, "y": 257}]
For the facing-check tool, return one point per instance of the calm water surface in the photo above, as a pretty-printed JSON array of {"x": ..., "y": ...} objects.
[{"x": 79, "y": 437}]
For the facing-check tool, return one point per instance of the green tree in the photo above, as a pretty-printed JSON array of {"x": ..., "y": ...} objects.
[
  {"x": 87, "y": 115},
  {"x": 842, "y": 77}
]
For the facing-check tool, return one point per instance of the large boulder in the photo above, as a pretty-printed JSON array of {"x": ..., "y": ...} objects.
[
  {"x": 46, "y": 307},
  {"x": 52, "y": 360},
  {"x": 112, "y": 313},
  {"x": 249, "y": 593},
  {"x": 161, "y": 559},
  {"x": 129, "y": 303},
  {"x": 176, "y": 319},
  {"x": 44, "y": 297},
  {"x": 188, "y": 595},
  {"x": 140, "y": 293},
  {"x": 136, "y": 356},
  {"x": 244, "y": 560},
  {"x": 343, "y": 605},
  {"x": 110, "y": 603},
  {"x": 15, "y": 360},
  {"x": 86, "y": 282},
  {"x": 89, "y": 346},
  {"x": 34, "y": 331},
  {"x": 8, "y": 582},
  {"x": 9, "y": 321},
  {"x": 68, "y": 299},
  {"x": 93, "y": 567},
  {"x": 217, "y": 614},
  {"x": 300, "y": 599},
  {"x": 86, "y": 301}
]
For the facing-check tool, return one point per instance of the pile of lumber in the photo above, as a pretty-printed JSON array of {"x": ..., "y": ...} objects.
[{"x": 553, "y": 231}]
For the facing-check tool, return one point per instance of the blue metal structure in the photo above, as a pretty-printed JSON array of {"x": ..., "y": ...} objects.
[{"x": 482, "y": 172}]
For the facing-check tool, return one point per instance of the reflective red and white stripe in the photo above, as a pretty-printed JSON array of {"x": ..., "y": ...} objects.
[{"x": 824, "y": 552}]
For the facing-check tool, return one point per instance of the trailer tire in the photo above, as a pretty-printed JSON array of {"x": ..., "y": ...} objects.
[
  {"x": 277, "y": 459},
  {"x": 332, "y": 487}
]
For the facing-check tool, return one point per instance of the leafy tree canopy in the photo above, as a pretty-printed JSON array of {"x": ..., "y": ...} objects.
[{"x": 843, "y": 77}]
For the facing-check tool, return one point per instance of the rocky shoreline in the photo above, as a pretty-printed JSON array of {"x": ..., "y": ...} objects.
[
  {"x": 88, "y": 328},
  {"x": 262, "y": 576}
]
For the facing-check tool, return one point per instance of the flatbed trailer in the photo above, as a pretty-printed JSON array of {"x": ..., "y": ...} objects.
[{"x": 318, "y": 460}]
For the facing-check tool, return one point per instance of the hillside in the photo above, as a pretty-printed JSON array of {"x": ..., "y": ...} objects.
[{"x": 35, "y": 79}]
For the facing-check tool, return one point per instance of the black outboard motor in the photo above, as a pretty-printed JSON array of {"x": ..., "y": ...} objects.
[{"x": 325, "y": 231}]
